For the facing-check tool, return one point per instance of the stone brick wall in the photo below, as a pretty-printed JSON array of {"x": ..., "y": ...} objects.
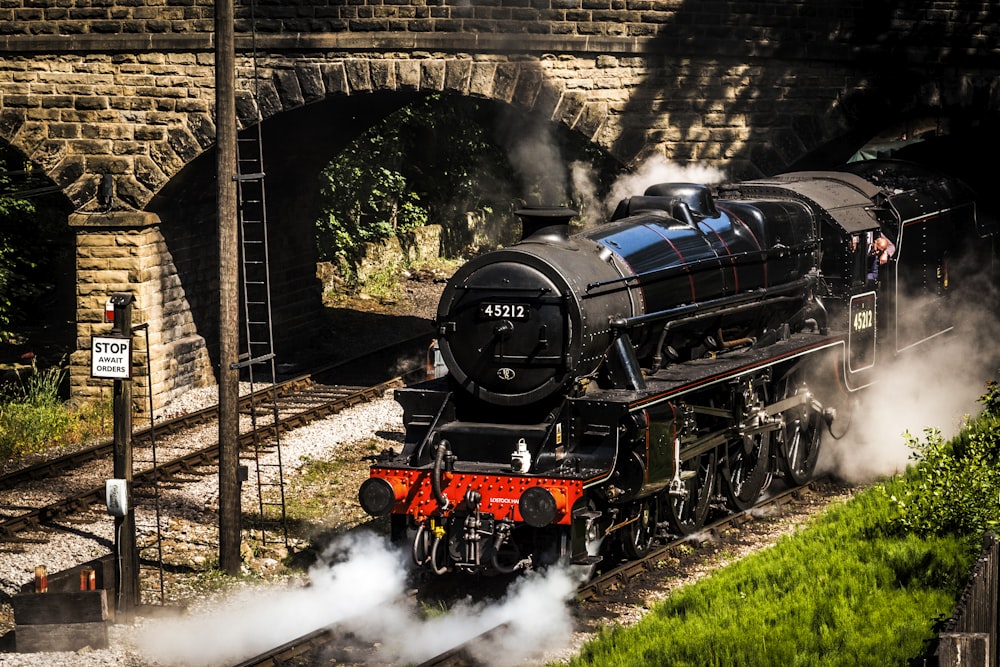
[
  {"x": 931, "y": 30},
  {"x": 140, "y": 117},
  {"x": 127, "y": 88}
]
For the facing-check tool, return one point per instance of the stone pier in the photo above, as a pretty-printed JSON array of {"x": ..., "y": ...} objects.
[{"x": 126, "y": 252}]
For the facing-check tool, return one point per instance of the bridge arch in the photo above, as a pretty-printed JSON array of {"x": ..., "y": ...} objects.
[
  {"x": 146, "y": 122},
  {"x": 163, "y": 256},
  {"x": 632, "y": 107},
  {"x": 749, "y": 96}
]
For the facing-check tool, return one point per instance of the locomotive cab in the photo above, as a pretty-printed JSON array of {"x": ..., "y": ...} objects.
[{"x": 899, "y": 302}]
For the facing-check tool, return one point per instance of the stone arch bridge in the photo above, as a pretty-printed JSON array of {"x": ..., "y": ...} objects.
[{"x": 125, "y": 90}]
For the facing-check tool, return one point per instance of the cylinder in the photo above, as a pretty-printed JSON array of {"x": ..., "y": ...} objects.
[{"x": 41, "y": 579}]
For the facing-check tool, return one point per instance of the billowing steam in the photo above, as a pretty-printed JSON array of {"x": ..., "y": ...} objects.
[
  {"x": 537, "y": 160},
  {"x": 651, "y": 172},
  {"x": 934, "y": 385},
  {"x": 583, "y": 182},
  {"x": 655, "y": 170},
  {"x": 359, "y": 586},
  {"x": 535, "y": 612},
  {"x": 540, "y": 167},
  {"x": 545, "y": 180}
]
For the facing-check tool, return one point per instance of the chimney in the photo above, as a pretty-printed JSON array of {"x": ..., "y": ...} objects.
[{"x": 545, "y": 223}]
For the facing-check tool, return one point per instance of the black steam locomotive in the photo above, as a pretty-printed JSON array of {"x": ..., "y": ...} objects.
[{"x": 610, "y": 387}]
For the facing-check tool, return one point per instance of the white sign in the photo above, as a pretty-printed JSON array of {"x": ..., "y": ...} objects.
[{"x": 110, "y": 357}]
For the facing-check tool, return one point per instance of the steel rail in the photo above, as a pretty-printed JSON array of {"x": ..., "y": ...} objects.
[
  {"x": 281, "y": 655},
  {"x": 60, "y": 464},
  {"x": 623, "y": 573},
  {"x": 189, "y": 462}
]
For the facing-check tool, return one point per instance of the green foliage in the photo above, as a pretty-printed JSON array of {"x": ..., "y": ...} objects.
[
  {"x": 419, "y": 164},
  {"x": 991, "y": 399},
  {"x": 443, "y": 159},
  {"x": 365, "y": 203},
  {"x": 14, "y": 212},
  {"x": 33, "y": 418},
  {"x": 31, "y": 240},
  {"x": 954, "y": 486}
]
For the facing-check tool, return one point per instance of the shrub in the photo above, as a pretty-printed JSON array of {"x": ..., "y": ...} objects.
[
  {"x": 954, "y": 486},
  {"x": 31, "y": 414},
  {"x": 991, "y": 399},
  {"x": 33, "y": 417}
]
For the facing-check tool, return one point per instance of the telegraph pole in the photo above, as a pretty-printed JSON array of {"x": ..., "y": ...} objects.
[{"x": 230, "y": 513}]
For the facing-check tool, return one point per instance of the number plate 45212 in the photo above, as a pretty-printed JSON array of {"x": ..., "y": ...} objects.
[{"x": 504, "y": 311}]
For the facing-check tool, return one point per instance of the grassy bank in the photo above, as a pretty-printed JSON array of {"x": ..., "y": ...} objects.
[
  {"x": 841, "y": 592},
  {"x": 866, "y": 583}
]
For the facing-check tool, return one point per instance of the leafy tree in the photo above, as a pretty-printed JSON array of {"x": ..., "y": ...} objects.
[
  {"x": 444, "y": 159},
  {"x": 366, "y": 203},
  {"x": 33, "y": 239},
  {"x": 991, "y": 399},
  {"x": 12, "y": 262},
  {"x": 426, "y": 162}
]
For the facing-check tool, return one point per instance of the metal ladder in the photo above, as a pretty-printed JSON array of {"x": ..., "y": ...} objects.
[{"x": 257, "y": 360}]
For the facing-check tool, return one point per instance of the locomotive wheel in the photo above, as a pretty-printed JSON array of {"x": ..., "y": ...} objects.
[
  {"x": 687, "y": 508},
  {"x": 802, "y": 436},
  {"x": 746, "y": 469},
  {"x": 638, "y": 538}
]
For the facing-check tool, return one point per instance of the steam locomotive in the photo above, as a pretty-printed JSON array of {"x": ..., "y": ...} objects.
[{"x": 608, "y": 388}]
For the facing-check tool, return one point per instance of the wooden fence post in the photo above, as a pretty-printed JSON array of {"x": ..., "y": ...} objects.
[{"x": 964, "y": 649}]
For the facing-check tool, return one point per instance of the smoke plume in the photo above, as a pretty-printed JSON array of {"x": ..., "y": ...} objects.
[
  {"x": 359, "y": 585},
  {"x": 933, "y": 385},
  {"x": 655, "y": 170}
]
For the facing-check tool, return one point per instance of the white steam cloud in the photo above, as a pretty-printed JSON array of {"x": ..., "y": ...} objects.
[
  {"x": 935, "y": 385},
  {"x": 546, "y": 180},
  {"x": 655, "y": 170},
  {"x": 535, "y": 614},
  {"x": 651, "y": 172},
  {"x": 359, "y": 587}
]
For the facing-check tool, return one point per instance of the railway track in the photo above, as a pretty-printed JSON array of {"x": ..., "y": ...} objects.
[
  {"x": 307, "y": 647},
  {"x": 26, "y": 494},
  {"x": 626, "y": 572},
  {"x": 297, "y": 652},
  {"x": 326, "y": 401},
  {"x": 293, "y": 652},
  {"x": 53, "y": 467}
]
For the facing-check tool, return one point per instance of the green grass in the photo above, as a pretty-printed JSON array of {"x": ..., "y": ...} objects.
[
  {"x": 867, "y": 583},
  {"x": 840, "y": 592}
]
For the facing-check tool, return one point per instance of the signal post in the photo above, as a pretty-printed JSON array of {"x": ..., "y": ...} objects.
[{"x": 111, "y": 357}]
